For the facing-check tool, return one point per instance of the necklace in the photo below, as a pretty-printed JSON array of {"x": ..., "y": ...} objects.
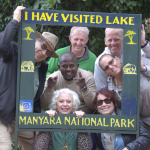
[
  {"x": 65, "y": 147},
  {"x": 117, "y": 96},
  {"x": 117, "y": 89}
]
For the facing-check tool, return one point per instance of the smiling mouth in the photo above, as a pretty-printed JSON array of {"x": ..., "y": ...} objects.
[
  {"x": 114, "y": 69},
  {"x": 105, "y": 108},
  {"x": 39, "y": 54},
  {"x": 78, "y": 47},
  {"x": 69, "y": 74},
  {"x": 114, "y": 48},
  {"x": 64, "y": 109}
]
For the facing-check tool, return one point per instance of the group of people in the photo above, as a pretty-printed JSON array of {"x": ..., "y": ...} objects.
[{"x": 77, "y": 82}]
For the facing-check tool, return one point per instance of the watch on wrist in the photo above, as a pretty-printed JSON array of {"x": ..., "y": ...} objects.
[
  {"x": 145, "y": 70},
  {"x": 144, "y": 44},
  {"x": 84, "y": 88}
]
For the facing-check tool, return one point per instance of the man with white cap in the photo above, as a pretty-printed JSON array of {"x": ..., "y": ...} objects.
[{"x": 44, "y": 47}]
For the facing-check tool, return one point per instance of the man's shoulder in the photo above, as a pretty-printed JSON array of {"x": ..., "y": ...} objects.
[
  {"x": 56, "y": 73},
  {"x": 91, "y": 54},
  {"x": 85, "y": 73},
  {"x": 62, "y": 50},
  {"x": 43, "y": 66}
]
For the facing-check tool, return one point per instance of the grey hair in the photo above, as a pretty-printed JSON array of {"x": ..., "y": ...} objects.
[
  {"x": 121, "y": 31},
  {"x": 80, "y": 30},
  {"x": 75, "y": 98}
]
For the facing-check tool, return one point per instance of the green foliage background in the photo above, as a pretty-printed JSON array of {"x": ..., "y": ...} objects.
[{"x": 96, "y": 40}]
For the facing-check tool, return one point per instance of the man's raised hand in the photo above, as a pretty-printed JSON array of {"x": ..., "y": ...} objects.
[
  {"x": 80, "y": 81},
  {"x": 17, "y": 13},
  {"x": 143, "y": 41},
  {"x": 52, "y": 82}
]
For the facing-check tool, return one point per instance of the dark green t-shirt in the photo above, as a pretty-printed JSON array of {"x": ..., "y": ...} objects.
[{"x": 59, "y": 140}]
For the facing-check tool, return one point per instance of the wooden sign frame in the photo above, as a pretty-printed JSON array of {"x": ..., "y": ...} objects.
[{"x": 127, "y": 122}]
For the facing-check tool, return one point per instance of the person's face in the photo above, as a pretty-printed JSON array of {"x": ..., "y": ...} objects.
[
  {"x": 68, "y": 67},
  {"x": 40, "y": 52},
  {"x": 105, "y": 109},
  {"x": 114, "y": 41},
  {"x": 78, "y": 41},
  {"x": 110, "y": 65},
  {"x": 64, "y": 103}
]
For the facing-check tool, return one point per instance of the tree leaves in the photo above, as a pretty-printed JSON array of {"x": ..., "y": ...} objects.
[
  {"x": 121, "y": 1},
  {"x": 36, "y": 4},
  {"x": 59, "y": 1},
  {"x": 50, "y": 1},
  {"x": 96, "y": 43},
  {"x": 133, "y": 3}
]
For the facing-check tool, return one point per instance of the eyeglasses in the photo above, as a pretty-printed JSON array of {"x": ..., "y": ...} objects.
[
  {"x": 111, "y": 62},
  {"x": 106, "y": 100},
  {"x": 44, "y": 47}
]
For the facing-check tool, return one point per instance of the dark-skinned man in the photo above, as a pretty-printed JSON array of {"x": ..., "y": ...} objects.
[{"x": 74, "y": 78}]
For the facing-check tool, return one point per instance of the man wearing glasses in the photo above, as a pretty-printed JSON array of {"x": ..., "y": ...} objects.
[{"x": 44, "y": 47}]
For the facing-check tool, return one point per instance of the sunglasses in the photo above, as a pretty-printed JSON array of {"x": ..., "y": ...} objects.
[
  {"x": 111, "y": 62},
  {"x": 106, "y": 100},
  {"x": 44, "y": 47}
]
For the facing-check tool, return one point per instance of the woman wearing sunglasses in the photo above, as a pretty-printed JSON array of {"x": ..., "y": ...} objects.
[
  {"x": 112, "y": 68},
  {"x": 105, "y": 103}
]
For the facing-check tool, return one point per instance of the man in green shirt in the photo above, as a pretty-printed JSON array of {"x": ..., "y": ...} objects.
[{"x": 78, "y": 38}]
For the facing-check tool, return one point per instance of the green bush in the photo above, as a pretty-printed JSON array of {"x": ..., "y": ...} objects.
[{"x": 96, "y": 39}]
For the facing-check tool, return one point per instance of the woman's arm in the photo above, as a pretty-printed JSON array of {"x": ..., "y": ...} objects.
[
  {"x": 146, "y": 63},
  {"x": 84, "y": 141},
  {"x": 43, "y": 141}
]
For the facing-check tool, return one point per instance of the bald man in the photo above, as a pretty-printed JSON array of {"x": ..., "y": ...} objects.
[{"x": 71, "y": 77}]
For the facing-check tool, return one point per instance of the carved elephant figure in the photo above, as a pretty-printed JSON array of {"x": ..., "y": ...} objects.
[{"x": 27, "y": 66}]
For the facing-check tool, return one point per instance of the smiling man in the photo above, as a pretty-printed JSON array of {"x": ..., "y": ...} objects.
[
  {"x": 78, "y": 38},
  {"x": 71, "y": 77},
  {"x": 44, "y": 47},
  {"x": 114, "y": 42}
]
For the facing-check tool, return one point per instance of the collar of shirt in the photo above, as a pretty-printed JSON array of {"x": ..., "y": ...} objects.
[
  {"x": 84, "y": 56},
  {"x": 37, "y": 65}
]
